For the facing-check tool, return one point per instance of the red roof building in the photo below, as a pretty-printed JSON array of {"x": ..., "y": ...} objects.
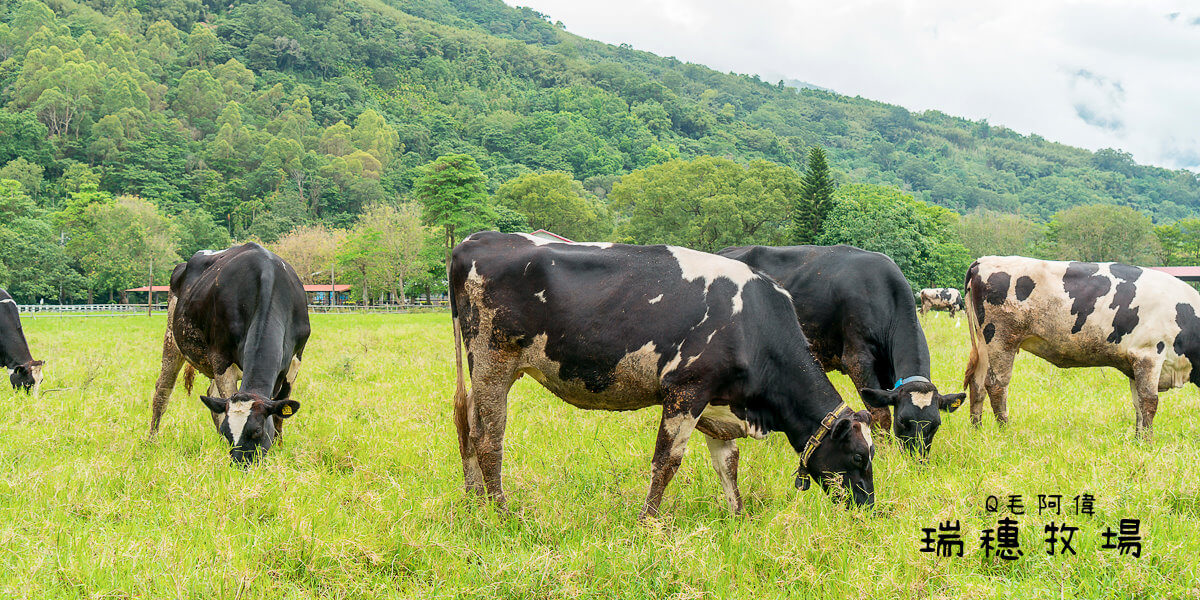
[{"x": 1184, "y": 273}]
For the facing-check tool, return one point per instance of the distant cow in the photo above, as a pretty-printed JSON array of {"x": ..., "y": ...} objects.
[
  {"x": 236, "y": 314},
  {"x": 23, "y": 372},
  {"x": 941, "y": 299},
  {"x": 617, "y": 327},
  {"x": 856, "y": 310},
  {"x": 1142, "y": 322}
]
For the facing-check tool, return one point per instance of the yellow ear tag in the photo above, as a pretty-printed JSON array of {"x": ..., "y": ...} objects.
[
  {"x": 955, "y": 405},
  {"x": 287, "y": 410}
]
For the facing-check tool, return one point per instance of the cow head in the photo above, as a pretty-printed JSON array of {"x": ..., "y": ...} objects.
[
  {"x": 248, "y": 422},
  {"x": 842, "y": 462},
  {"x": 27, "y": 376},
  {"x": 917, "y": 406}
]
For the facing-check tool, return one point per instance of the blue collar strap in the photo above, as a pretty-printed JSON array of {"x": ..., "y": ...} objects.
[{"x": 901, "y": 382}]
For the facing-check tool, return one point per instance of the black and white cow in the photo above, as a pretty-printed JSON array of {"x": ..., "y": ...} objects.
[
  {"x": 240, "y": 313},
  {"x": 941, "y": 299},
  {"x": 23, "y": 372},
  {"x": 856, "y": 310},
  {"x": 617, "y": 327},
  {"x": 1140, "y": 321}
]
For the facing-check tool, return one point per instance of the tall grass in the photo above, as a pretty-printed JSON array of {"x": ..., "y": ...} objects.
[{"x": 363, "y": 498}]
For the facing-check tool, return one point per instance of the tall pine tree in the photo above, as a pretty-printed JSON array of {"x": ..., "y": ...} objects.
[{"x": 815, "y": 200}]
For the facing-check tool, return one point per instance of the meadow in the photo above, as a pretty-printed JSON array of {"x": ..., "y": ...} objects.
[{"x": 364, "y": 497}]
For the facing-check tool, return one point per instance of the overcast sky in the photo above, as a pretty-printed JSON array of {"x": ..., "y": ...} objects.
[{"x": 1096, "y": 74}]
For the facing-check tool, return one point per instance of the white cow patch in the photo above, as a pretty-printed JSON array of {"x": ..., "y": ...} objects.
[
  {"x": 209, "y": 252},
  {"x": 541, "y": 296},
  {"x": 699, "y": 265},
  {"x": 656, "y": 299},
  {"x": 600, "y": 245},
  {"x": 673, "y": 363},
  {"x": 36, "y": 371},
  {"x": 9, "y": 300},
  {"x": 922, "y": 399},
  {"x": 865, "y": 430},
  {"x": 474, "y": 275},
  {"x": 237, "y": 413}
]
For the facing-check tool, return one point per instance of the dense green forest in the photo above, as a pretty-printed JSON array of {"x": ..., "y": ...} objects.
[{"x": 135, "y": 132}]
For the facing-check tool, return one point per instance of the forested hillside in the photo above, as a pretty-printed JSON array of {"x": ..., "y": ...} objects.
[{"x": 250, "y": 119}]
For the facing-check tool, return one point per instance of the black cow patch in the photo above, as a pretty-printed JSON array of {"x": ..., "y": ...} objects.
[
  {"x": 1085, "y": 287},
  {"x": 1125, "y": 272},
  {"x": 1187, "y": 343},
  {"x": 997, "y": 287},
  {"x": 1161, "y": 346},
  {"x": 1024, "y": 287},
  {"x": 988, "y": 332},
  {"x": 1126, "y": 318}
]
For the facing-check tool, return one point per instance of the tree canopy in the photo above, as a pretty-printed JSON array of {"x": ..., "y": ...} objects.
[{"x": 248, "y": 120}]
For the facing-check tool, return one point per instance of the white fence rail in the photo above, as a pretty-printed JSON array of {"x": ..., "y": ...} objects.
[{"x": 125, "y": 310}]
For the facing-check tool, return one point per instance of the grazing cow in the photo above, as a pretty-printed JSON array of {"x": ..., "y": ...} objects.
[
  {"x": 941, "y": 299},
  {"x": 1078, "y": 314},
  {"x": 617, "y": 327},
  {"x": 856, "y": 310},
  {"x": 240, "y": 313},
  {"x": 23, "y": 372}
]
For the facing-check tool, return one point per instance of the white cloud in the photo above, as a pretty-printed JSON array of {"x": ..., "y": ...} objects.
[{"x": 1096, "y": 73}]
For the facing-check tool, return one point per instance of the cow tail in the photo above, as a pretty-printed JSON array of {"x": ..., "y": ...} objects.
[
  {"x": 461, "y": 400},
  {"x": 189, "y": 378},
  {"x": 974, "y": 331}
]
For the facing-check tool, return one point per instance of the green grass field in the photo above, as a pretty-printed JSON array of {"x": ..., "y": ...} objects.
[{"x": 364, "y": 497}]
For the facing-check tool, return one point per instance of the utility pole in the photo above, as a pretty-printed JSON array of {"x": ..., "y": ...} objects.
[{"x": 150, "y": 289}]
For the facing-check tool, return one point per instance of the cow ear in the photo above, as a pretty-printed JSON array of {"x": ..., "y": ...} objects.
[
  {"x": 841, "y": 429},
  {"x": 950, "y": 402},
  {"x": 865, "y": 417},
  {"x": 879, "y": 398},
  {"x": 284, "y": 408},
  {"x": 217, "y": 405}
]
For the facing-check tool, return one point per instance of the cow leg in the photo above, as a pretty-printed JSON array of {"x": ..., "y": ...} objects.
[
  {"x": 1137, "y": 405},
  {"x": 487, "y": 415},
  {"x": 1145, "y": 392},
  {"x": 975, "y": 380},
  {"x": 724, "y": 455},
  {"x": 999, "y": 374},
  {"x": 673, "y": 433},
  {"x": 172, "y": 361}
]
